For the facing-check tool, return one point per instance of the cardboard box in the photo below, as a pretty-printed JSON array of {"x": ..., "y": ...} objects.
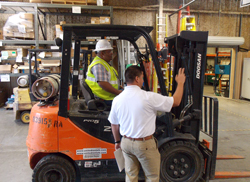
[
  {"x": 49, "y": 63},
  {"x": 56, "y": 54},
  {"x": 72, "y": 53},
  {"x": 29, "y": 35},
  {"x": 25, "y": 68},
  {"x": 26, "y": 23},
  {"x": 104, "y": 20},
  {"x": 62, "y": 22},
  {"x": 26, "y": 16},
  {"x": 93, "y": 2},
  {"x": 85, "y": 48},
  {"x": 105, "y": 2},
  {"x": 57, "y": 27},
  {"x": 8, "y": 33},
  {"x": 21, "y": 52},
  {"x": 45, "y": 55},
  {"x": 55, "y": 69},
  {"x": 95, "y": 20},
  {"x": 29, "y": 30},
  {"x": 1, "y": 34},
  {"x": 27, "y": 64},
  {"x": 8, "y": 54},
  {"x": 58, "y": 31},
  {"x": 22, "y": 30},
  {"x": 5, "y": 68},
  {"x": 81, "y": 54}
]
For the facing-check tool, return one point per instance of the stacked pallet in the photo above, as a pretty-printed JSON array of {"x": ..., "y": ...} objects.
[
  {"x": 40, "y": 1},
  {"x": 75, "y": 2},
  {"x": 79, "y": 2}
]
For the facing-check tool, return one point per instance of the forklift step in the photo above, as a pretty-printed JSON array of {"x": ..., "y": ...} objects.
[{"x": 232, "y": 174}]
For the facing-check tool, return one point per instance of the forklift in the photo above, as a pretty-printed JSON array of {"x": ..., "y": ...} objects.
[
  {"x": 24, "y": 97},
  {"x": 70, "y": 139}
]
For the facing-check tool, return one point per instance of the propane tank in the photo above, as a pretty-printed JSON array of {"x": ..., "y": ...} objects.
[
  {"x": 46, "y": 87},
  {"x": 23, "y": 81}
]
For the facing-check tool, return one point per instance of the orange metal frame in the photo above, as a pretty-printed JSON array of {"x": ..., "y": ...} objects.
[{"x": 53, "y": 134}]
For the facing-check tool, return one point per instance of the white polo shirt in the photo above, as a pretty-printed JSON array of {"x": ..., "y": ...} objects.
[{"x": 135, "y": 111}]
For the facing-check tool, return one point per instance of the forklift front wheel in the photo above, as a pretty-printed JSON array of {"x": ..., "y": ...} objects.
[
  {"x": 181, "y": 161},
  {"x": 25, "y": 117},
  {"x": 54, "y": 168}
]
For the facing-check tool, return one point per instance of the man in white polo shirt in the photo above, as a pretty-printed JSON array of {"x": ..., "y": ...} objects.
[{"x": 134, "y": 112}]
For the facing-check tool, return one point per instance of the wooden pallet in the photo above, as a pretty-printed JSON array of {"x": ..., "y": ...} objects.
[
  {"x": 76, "y": 2},
  {"x": 19, "y": 38}
]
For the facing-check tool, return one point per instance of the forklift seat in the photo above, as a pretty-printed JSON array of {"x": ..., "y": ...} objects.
[{"x": 90, "y": 100}]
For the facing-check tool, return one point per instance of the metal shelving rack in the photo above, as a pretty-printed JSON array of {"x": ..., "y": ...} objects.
[
  {"x": 42, "y": 9},
  {"x": 49, "y": 9}
]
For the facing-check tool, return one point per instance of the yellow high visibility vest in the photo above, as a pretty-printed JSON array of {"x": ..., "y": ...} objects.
[{"x": 92, "y": 83}]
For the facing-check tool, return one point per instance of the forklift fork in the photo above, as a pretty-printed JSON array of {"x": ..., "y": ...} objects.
[{"x": 209, "y": 126}]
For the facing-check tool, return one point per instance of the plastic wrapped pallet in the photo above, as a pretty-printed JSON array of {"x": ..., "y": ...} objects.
[{"x": 19, "y": 26}]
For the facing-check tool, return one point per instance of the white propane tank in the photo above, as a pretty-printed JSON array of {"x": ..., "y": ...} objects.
[
  {"x": 23, "y": 81},
  {"x": 46, "y": 87}
]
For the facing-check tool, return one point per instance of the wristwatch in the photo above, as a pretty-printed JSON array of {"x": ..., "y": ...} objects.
[{"x": 118, "y": 141}]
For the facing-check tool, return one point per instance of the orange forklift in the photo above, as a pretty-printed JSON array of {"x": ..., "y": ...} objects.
[{"x": 70, "y": 139}]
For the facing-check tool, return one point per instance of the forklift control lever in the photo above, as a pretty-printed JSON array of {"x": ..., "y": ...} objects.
[
  {"x": 177, "y": 122},
  {"x": 196, "y": 114}
]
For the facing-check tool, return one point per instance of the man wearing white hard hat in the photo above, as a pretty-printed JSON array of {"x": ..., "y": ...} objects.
[{"x": 101, "y": 77}]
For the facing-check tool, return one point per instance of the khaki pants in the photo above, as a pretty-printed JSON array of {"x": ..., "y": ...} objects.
[{"x": 141, "y": 152}]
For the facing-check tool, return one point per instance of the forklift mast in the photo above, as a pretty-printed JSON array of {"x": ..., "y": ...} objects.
[
  {"x": 197, "y": 113},
  {"x": 189, "y": 51}
]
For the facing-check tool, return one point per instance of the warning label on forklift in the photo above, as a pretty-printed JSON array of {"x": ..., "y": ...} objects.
[
  {"x": 92, "y": 164},
  {"x": 91, "y": 153}
]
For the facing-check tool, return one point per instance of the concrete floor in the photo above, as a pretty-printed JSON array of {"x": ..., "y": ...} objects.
[{"x": 234, "y": 130}]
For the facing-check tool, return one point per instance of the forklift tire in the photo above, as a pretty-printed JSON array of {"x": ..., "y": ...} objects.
[
  {"x": 181, "y": 161},
  {"x": 25, "y": 117},
  {"x": 54, "y": 168}
]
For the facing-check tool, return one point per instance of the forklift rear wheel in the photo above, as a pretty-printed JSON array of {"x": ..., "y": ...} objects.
[
  {"x": 25, "y": 117},
  {"x": 181, "y": 161},
  {"x": 54, "y": 168}
]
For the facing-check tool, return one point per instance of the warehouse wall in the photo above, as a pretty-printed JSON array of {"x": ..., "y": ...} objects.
[
  {"x": 208, "y": 18},
  {"x": 219, "y": 17}
]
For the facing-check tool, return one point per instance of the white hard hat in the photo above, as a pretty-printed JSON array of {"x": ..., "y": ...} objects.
[{"x": 103, "y": 45}]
